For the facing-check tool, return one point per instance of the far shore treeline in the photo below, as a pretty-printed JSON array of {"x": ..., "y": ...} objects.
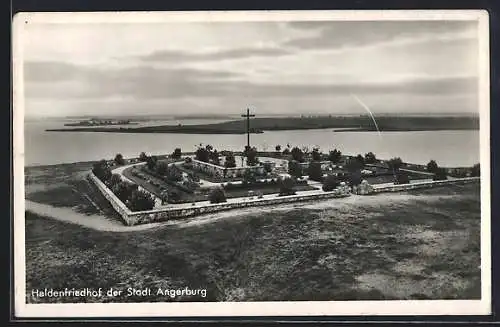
[{"x": 345, "y": 123}]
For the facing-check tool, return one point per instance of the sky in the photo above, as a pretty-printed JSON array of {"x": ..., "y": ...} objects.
[{"x": 296, "y": 67}]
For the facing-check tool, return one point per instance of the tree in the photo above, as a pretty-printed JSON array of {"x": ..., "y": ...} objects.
[
  {"x": 394, "y": 164},
  {"x": 355, "y": 178},
  {"x": 287, "y": 186},
  {"x": 230, "y": 161},
  {"x": 202, "y": 154},
  {"x": 214, "y": 157},
  {"x": 370, "y": 158},
  {"x": 316, "y": 155},
  {"x": 432, "y": 166},
  {"x": 123, "y": 190},
  {"x": 297, "y": 154},
  {"x": 278, "y": 148},
  {"x": 217, "y": 195},
  {"x": 335, "y": 156},
  {"x": 161, "y": 168},
  {"x": 330, "y": 183},
  {"x": 476, "y": 170},
  {"x": 286, "y": 151},
  {"x": 315, "y": 172},
  {"x": 173, "y": 173},
  {"x": 251, "y": 155},
  {"x": 102, "y": 171},
  {"x": 294, "y": 168},
  {"x": 354, "y": 164},
  {"x": 151, "y": 162},
  {"x": 119, "y": 159},
  {"x": 140, "y": 201},
  {"x": 143, "y": 157},
  {"x": 177, "y": 153},
  {"x": 440, "y": 174}
]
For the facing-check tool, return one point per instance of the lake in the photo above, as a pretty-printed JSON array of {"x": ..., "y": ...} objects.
[{"x": 448, "y": 148}]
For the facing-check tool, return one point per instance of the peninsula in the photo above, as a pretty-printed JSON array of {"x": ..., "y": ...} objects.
[{"x": 100, "y": 122}]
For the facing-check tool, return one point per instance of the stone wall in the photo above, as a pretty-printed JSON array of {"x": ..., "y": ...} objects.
[
  {"x": 156, "y": 215},
  {"x": 150, "y": 216},
  {"x": 116, "y": 203},
  {"x": 414, "y": 186}
]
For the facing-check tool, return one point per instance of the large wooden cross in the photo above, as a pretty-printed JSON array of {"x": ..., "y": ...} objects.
[{"x": 247, "y": 116}]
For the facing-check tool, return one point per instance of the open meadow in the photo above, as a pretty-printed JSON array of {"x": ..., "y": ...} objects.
[{"x": 412, "y": 245}]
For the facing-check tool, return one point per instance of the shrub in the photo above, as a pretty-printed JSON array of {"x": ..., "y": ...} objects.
[
  {"x": 294, "y": 168},
  {"x": 432, "y": 167},
  {"x": 297, "y": 154},
  {"x": 355, "y": 178},
  {"x": 140, "y": 200},
  {"x": 101, "y": 170},
  {"x": 316, "y": 155},
  {"x": 355, "y": 163},
  {"x": 315, "y": 172},
  {"x": 173, "y": 173},
  {"x": 395, "y": 163},
  {"x": 143, "y": 157},
  {"x": 440, "y": 174},
  {"x": 151, "y": 162},
  {"x": 230, "y": 161},
  {"x": 335, "y": 156},
  {"x": 476, "y": 170},
  {"x": 330, "y": 183},
  {"x": 287, "y": 186},
  {"x": 202, "y": 154},
  {"x": 115, "y": 179},
  {"x": 177, "y": 153},
  {"x": 402, "y": 179},
  {"x": 119, "y": 159},
  {"x": 217, "y": 195},
  {"x": 268, "y": 167},
  {"x": 161, "y": 168},
  {"x": 251, "y": 155},
  {"x": 123, "y": 190},
  {"x": 370, "y": 158}
]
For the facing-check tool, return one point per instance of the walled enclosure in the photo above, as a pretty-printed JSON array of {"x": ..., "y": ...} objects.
[{"x": 142, "y": 217}]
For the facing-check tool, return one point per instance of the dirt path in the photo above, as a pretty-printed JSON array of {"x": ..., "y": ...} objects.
[{"x": 103, "y": 223}]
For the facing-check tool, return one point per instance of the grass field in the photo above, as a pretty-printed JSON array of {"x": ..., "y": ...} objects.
[{"x": 413, "y": 245}]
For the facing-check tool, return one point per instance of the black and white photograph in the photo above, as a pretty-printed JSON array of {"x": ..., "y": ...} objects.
[{"x": 286, "y": 163}]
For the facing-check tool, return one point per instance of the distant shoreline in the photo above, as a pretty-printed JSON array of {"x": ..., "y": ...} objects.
[
  {"x": 338, "y": 123},
  {"x": 395, "y": 129}
]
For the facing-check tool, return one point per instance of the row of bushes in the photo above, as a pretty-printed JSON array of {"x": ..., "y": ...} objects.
[
  {"x": 128, "y": 193},
  {"x": 188, "y": 186}
]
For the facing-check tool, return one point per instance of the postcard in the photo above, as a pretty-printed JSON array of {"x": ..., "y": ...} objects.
[{"x": 260, "y": 163}]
